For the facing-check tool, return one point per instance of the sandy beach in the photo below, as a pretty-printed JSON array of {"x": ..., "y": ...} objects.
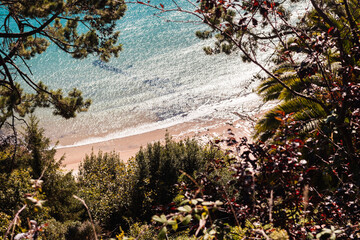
[{"x": 127, "y": 147}]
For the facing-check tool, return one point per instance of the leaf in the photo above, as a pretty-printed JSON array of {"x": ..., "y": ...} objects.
[
  {"x": 279, "y": 119},
  {"x": 184, "y": 202},
  {"x": 156, "y": 218},
  {"x": 31, "y": 200},
  {"x": 171, "y": 222},
  {"x": 310, "y": 236},
  {"x": 175, "y": 226},
  {"x": 330, "y": 30},
  {"x": 162, "y": 233},
  {"x": 161, "y": 219},
  {"x": 333, "y": 236},
  {"x": 161, "y": 5},
  {"x": 39, "y": 204},
  {"x": 254, "y": 22},
  {"x": 187, "y": 219},
  {"x": 185, "y": 208}
]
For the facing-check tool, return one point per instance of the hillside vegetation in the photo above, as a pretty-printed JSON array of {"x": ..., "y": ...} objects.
[{"x": 299, "y": 179}]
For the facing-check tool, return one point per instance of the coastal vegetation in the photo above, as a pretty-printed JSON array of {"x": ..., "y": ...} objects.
[{"x": 298, "y": 179}]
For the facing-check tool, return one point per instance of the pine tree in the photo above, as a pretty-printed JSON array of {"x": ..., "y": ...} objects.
[{"x": 77, "y": 27}]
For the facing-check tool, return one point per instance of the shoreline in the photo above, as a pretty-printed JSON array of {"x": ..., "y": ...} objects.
[{"x": 128, "y": 146}]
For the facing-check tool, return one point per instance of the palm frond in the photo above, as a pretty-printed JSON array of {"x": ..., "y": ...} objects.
[{"x": 302, "y": 109}]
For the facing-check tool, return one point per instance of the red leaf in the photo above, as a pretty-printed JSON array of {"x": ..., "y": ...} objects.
[
  {"x": 330, "y": 30},
  {"x": 140, "y": 2},
  {"x": 162, "y": 6},
  {"x": 254, "y": 22}
]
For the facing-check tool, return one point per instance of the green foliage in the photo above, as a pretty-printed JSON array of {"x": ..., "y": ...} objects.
[
  {"x": 118, "y": 193},
  {"x": 298, "y": 109},
  {"x": 106, "y": 184},
  {"x": 305, "y": 184},
  {"x": 13, "y": 190},
  {"x": 313, "y": 70},
  {"x": 41, "y": 155},
  {"x": 69, "y": 230},
  {"x": 78, "y": 28},
  {"x": 50, "y": 197},
  {"x": 55, "y": 230},
  {"x": 158, "y": 170},
  {"x": 190, "y": 210},
  {"x": 58, "y": 187},
  {"x": 4, "y": 222},
  {"x": 141, "y": 232},
  {"x": 77, "y": 230}
]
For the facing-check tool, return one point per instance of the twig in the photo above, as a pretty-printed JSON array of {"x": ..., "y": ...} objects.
[
  {"x": 14, "y": 220},
  {"x": 262, "y": 233},
  {"x": 88, "y": 211}
]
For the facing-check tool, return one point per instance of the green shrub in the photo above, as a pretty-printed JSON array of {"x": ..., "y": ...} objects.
[
  {"x": 69, "y": 230},
  {"x": 142, "y": 232},
  {"x": 55, "y": 230},
  {"x": 13, "y": 188},
  {"x": 83, "y": 231},
  {"x": 158, "y": 169},
  {"x": 105, "y": 184},
  {"x": 118, "y": 193},
  {"x": 4, "y": 222}
]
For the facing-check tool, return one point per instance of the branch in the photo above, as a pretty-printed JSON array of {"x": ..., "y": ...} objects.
[
  {"x": 88, "y": 211},
  {"x": 14, "y": 220},
  {"x": 353, "y": 25},
  {"x": 26, "y": 34},
  {"x": 270, "y": 36},
  {"x": 162, "y": 10},
  {"x": 322, "y": 14},
  {"x": 240, "y": 47}
]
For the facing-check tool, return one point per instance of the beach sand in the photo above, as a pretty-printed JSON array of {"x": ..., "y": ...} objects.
[{"x": 127, "y": 147}]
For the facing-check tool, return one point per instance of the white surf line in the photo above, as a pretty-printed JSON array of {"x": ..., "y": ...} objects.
[{"x": 203, "y": 111}]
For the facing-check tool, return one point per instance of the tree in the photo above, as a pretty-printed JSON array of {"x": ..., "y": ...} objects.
[
  {"x": 317, "y": 78},
  {"x": 77, "y": 27},
  {"x": 306, "y": 172},
  {"x": 158, "y": 169},
  {"x": 328, "y": 50},
  {"x": 106, "y": 184},
  {"x": 31, "y": 180}
]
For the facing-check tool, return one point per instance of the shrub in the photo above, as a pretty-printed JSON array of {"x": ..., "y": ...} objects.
[
  {"x": 69, "y": 230},
  {"x": 106, "y": 183},
  {"x": 158, "y": 169}
]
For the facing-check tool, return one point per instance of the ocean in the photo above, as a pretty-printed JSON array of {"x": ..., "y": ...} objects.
[{"x": 161, "y": 78}]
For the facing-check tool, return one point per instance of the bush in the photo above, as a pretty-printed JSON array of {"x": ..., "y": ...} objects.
[
  {"x": 69, "y": 230},
  {"x": 106, "y": 183},
  {"x": 158, "y": 169},
  {"x": 118, "y": 193}
]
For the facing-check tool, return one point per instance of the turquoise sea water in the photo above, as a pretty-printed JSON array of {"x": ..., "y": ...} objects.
[{"x": 161, "y": 78}]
